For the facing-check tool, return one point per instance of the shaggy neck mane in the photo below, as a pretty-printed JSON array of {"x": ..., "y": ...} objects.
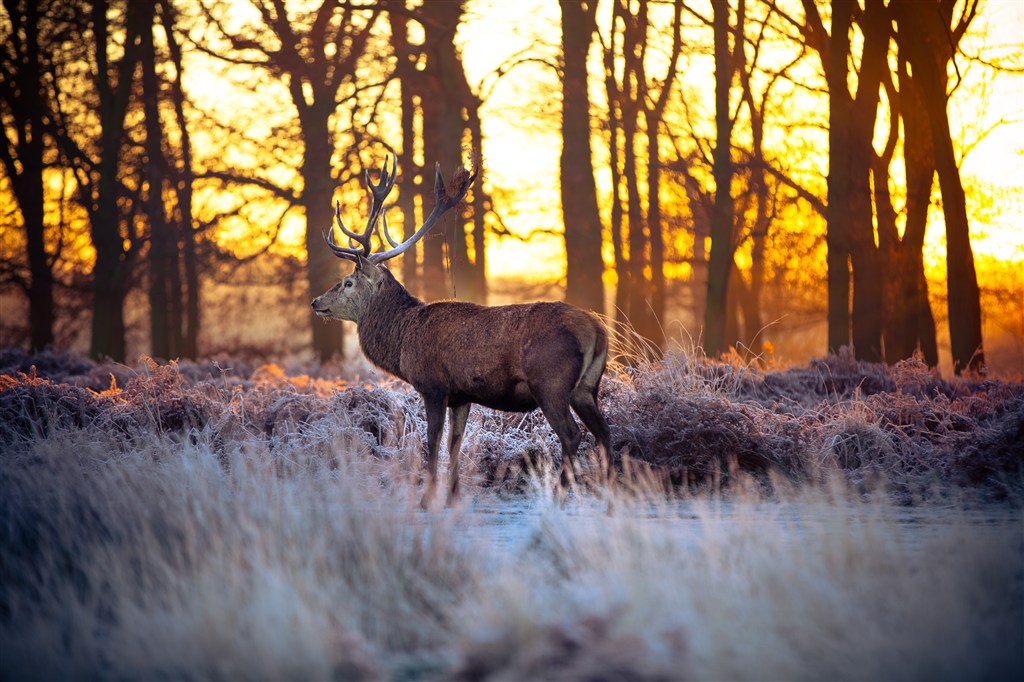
[{"x": 380, "y": 330}]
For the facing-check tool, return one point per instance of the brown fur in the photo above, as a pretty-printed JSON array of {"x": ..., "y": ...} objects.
[{"x": 514, "y": 357}]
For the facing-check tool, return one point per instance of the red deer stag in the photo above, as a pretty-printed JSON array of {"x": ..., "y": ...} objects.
[{"x": 455, "y": 353}]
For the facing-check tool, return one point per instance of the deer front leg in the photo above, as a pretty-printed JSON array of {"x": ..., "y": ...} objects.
[
  {"x": 435, "y": 405},
  {"x": 457, "y": 423}
]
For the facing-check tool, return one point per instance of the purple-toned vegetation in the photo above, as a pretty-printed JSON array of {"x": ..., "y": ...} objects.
[
  {"x": 227, "y": 520},
  {"x": 691, "y": 421}
]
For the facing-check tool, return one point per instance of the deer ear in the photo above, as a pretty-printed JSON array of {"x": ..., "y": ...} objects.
[{"x": 371, "y": 271}]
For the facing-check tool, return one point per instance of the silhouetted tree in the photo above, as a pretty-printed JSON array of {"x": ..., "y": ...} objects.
[
  {"x": 637, "y": 240},
  {"x": 582, "y": 222},
  {"x": 182, "y": 179},
  {"x": 314, "y": 50},
  {"x": 407, "y": 75},
  {"x": 100, "y": 169},
  {"x": 908, "y": 321},
  {"x": 654, "y": 113},
  {"x": 729, "y": 59},
  {"x": 835, "y": 60},
  {"x": 851, "y": 228},
  {"x": 447, "y": 105},
  {"x": 930, "y": 38},
  {"x": 164, "y": 274},
  {"x": 27, "y": 135}
]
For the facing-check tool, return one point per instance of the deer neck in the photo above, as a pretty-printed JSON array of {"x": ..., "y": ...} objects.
[{"x": 381, "y": 328}]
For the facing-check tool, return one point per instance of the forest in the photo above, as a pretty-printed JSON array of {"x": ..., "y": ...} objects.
[{"x": 165, "y": 162}]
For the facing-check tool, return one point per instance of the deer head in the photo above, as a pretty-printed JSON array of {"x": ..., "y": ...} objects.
[{"x": 349, "y": 299}]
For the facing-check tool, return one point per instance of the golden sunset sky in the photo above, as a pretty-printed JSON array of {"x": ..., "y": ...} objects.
[{"x": 522, "y": 141}]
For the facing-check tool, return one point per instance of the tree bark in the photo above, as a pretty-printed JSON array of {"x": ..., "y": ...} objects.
[
  {"x": 112, "y": 269},
  {"x": 164, "y": 281},
  {"x": 752, "y": 318},
  {"x": 907, "y": 310},
  {"x": 919, "y": 161},
  {"x": 22, "y": 93},
  {"x": 720, "y": 259},
  {"x": 447, "y": 104},
  {"x": 930, "y": 44},
  {"x": 183, "y": 182},
  {"x": 479, "y": 271},
  {"x": 633, "y": 47},
  {"x": 867, "y": 276},
  {"x": 322, "y": 267},
  {"x": 405, "y": 71},
  {"x": 580, "y": 216},
  {"x": 837, "y": 216},
  {"x": 653, "y": 115},
  {"x": 615, "y": 117}
]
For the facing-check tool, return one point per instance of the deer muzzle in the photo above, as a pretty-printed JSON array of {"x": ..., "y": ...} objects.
[{"x": 319, "y": 308}]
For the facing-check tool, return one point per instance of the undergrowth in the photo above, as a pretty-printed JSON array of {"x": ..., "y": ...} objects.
[
  {"x": 691, "y": 422},
  {"x": 222, "y": 520}
]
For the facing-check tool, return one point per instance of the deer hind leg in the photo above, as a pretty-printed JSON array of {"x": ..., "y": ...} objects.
[
  {"x": 554, "y": 403},
  {"x": 457, "y": 423},
  {"x": 569, "y": 436},
  {"x": 435, "y": 424},
  {"x": 585, "y": 404},
  {"x": 553, "y": 368},
  {"x": 584, "y": 401}
]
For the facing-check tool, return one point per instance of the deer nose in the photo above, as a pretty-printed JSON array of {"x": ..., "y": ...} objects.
[{"x": 319, "y": 309}]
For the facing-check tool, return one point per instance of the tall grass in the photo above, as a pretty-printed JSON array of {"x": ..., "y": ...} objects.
[{"x": 192, "y": 523}]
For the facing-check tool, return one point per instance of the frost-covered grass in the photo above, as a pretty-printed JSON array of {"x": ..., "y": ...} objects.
[{"x": 215, "y": 520}]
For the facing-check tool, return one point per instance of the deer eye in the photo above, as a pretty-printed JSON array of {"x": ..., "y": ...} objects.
[{"x": 348, "y": 283}]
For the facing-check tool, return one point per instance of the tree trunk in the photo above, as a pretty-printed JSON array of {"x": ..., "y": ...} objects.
[
  {"x": 964, "y": 293},
  {"x": 22, "y": 89},
  {"x": 656, "y": 299},
  {"x": 720, "y": 258},
  {"x": 442, "y": 101},
  {"x": 435, "y": 280},
  {"x": 322, "y": 267},
  {"x": 405, "y": 71},
  {"x": 479, "y": 207},
  {"x": 905, "y": 301},
  {"x": 927, "y": 38},
  {"x": 615, "y": 116},
  {"x": 164, "y": 282},
  {"x": 753, "y": 322},
  {"x": 919, "y": 161},
  {"x": 653, "y": 114},
  {"x": 183, "y": 190},
  {"x": 867, "y": 276},
  {"x": 638, "y": 309},
  {"x": 837, "y": 214},
  {"x": 112, "y": 269},
  {"x": 580, "y": 216}
]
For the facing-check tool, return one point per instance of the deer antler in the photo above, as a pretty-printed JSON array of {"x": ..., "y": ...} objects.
[{"x": 378, "y": 193}]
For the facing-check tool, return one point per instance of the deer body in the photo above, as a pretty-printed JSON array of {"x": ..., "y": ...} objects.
[{"x": 514, "y": 358}]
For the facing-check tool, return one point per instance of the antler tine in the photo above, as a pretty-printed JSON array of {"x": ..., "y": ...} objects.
[
  {"x": 380, "y": 191},
  {"x": 353, "y": 236},
  {"x": 341, "y": 251},
  {"x": 443, "y": 202},
  {"x": 384, "y": 224}
]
